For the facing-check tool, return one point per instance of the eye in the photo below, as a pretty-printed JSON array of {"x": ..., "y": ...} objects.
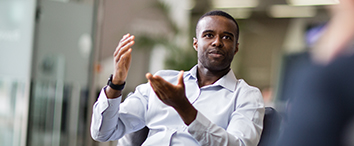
[
  {"x": 208, "y": 35},
  {"x": 227, "y": 37}
]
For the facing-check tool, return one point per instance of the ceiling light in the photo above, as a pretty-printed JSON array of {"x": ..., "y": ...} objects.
[
  {"x": 286, "y": 11},
  {"x": 312, "y": 2},
  {"x": 234, "y": 3},
  {"x": 239, "y": 13}
]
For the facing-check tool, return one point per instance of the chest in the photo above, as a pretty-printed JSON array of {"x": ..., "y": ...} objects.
[{"x": 216, "y": 103}]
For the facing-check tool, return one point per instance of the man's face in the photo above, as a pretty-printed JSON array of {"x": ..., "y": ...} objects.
[{"x": 215, "y": 42}]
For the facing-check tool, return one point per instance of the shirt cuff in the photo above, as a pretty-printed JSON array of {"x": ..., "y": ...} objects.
[
  {"x": 108, "y": 104},
  {"x": 199, "y": 127}
]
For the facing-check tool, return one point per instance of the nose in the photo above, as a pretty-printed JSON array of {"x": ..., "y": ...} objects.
[{"x": 217, "y": 42}]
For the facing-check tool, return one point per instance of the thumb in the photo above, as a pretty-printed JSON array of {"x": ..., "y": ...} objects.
[
  {"x": 180, "y": 78},
  {"x": 148, "y": 76}
]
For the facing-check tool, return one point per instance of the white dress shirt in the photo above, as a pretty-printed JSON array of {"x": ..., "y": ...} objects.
[{"x": 230, "y": 113}]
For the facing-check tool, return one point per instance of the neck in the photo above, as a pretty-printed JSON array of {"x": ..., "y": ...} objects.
[{"x": 208, "y": 77}]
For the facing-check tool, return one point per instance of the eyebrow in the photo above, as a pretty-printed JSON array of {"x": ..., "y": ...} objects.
[
  {"x": 229, "y": 33},
  {"x": 226, "y": 32},
  {"x": 205, "y": 31}
]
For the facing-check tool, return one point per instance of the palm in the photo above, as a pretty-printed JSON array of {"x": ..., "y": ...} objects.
[{"x": 172, "y": 95}]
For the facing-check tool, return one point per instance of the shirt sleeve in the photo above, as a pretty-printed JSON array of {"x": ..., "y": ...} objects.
[
  {"x": 112, "y": 119},
  {"x": 244, "y": 129}
]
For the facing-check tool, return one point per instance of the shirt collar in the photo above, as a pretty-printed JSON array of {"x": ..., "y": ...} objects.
[
  {"x": 228, "y": 81},
  {"x": 193, "y": 72}
]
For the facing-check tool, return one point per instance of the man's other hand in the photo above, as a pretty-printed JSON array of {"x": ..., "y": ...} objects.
[{"x": 173, "y": 95}]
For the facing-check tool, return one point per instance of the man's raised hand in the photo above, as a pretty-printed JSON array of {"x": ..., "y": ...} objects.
[{"x": 122, "y": 59}]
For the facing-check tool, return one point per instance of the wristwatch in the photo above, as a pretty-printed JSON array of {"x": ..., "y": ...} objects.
[{"x": 114, "y": 86}]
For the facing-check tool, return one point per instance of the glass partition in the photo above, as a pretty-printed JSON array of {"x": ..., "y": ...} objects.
[
  {"x": 13, "y": 112},
  {"x": 57, "y": 116},
  {"x": 61, "y": 74}
]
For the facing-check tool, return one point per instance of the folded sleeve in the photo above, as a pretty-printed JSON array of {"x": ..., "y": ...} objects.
[{"x": 112, "y": 119}]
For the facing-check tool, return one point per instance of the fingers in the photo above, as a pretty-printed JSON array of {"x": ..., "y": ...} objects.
[
  {"x": 121, "y": 43},
  {"x": 158, "y": 83},
  {"x": 124, "y": 59},
  {"x": 124, "y": 46},
  {"x": 172, "y": 95},
  {"x": 148, "y": 76},
  {"x": 180, "y": 79},
  {"x": 124, "y": 50},
  {"x": 156, "y": 80},
  {"x": 155, "y": 84},
  {"x": 121, "y": 50},
  {"x": 125, "y": 39}
]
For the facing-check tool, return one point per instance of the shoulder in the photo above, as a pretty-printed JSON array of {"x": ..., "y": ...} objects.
[
  {"x": 247, "y": 94},
  {"x": 245, "y": 87},
  {"x": 247, "y": 91}
]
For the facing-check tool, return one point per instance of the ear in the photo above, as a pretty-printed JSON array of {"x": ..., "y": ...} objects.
[
  {"x": 236, "y": 49},
  {"x": 195, "y": 43}
]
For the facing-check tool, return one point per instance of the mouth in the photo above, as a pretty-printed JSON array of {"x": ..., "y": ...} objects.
[{"x": 216, "y": 53}]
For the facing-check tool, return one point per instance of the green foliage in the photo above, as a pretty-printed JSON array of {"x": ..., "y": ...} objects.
[
  {"x": 177, "y": 58},
  {"x": 181, "y": 60}
]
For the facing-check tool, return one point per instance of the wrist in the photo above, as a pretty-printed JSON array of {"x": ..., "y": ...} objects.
[
  {"x": 188, "y": 114},
  {"x": 115, "y": 85},
  {"x": 111, "y": 93}
]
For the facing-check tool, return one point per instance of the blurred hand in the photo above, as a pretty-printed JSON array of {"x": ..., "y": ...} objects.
[
  {"x": 122, "y": 59},
  {"x": 338, "y": 34}
]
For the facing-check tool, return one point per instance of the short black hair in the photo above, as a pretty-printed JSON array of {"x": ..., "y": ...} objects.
[{"x": 223, "y": 14}]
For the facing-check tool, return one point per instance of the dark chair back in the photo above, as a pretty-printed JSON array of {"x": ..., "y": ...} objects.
[{"x": 271, "y": 127}]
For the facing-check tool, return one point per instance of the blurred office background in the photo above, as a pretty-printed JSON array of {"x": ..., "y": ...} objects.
[{"x": 55, "y": 55}]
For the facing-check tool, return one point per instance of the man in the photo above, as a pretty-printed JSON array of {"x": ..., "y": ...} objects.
[
  {"x": 322, "y": 110},
  {"x": 204, "y": 106}
]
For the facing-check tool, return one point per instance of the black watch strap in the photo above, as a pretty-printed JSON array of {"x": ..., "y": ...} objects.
[{"x": 114, "y": 86}]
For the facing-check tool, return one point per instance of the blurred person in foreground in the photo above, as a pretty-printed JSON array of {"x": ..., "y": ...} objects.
[
  {"x": 204, "y": 106},
  {"x": 322, "y": 109}
]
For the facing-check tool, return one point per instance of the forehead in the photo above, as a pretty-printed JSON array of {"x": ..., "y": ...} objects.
[{"x": 216, "y": 23}]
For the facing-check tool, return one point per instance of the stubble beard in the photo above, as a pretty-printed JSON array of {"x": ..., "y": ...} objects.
[{"x": 215, "y": 65}]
